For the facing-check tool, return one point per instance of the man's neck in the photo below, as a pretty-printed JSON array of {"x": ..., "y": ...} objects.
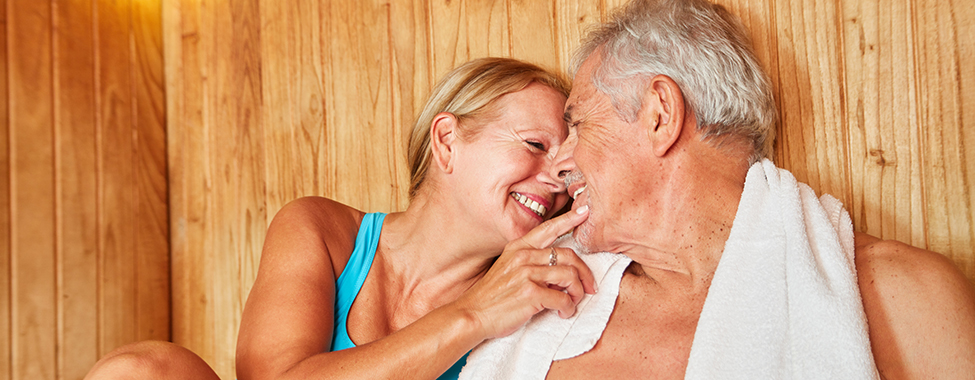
[{"x": 696, "y": 207}]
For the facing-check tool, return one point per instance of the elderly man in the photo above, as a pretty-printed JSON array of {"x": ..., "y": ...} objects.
[{"x": 670, "y": 119}]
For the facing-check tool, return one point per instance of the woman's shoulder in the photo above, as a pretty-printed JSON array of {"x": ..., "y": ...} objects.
[
  {"x": 321, "y": 210},
  {"x": 318, "y": 221}
]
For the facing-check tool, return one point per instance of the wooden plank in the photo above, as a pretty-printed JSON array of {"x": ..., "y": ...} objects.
[
  {"x": 236, "y": 170},
  {"x": 947, "y": 212},
  {"x": 412, "y": 80},
  {"x": 6, "y": 275},
  {"x": 464, "y": 30},
  {"x": 890, "y": 125},
  {"x": 188, "y": 177},
  {"x": 116, "y": 165},
  {"x": 859, "y": 43},
  {"x": 881, "y": 108},
  {"x": 150, "y": 209},
  {"x": 533, "y": 32},
  {"x": 294, "y": 100},
  {"x": 573, "y": 19},
  {"x": 33, "y": 293},
  {"x": 795, "y": 108},
  {"x": 75, "y": 142},
  {"x": 965, "y": 42},
  {"x": 812, "y": 129},
  {"x": 359, "y": 148}
]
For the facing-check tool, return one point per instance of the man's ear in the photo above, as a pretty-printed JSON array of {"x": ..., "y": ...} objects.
[
  {"x": 443, "y": 134},
  {"x": 662, "y": 113}
]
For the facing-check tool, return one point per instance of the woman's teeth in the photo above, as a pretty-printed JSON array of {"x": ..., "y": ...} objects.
[
  {"x": 534, "y": 206},
  {"x": 579, "y": 191}
]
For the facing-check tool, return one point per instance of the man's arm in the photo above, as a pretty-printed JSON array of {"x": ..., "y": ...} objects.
[{"x": 920, "y": 309}]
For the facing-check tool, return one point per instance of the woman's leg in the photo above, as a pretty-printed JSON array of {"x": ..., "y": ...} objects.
[{"x": 151, "y": 360}]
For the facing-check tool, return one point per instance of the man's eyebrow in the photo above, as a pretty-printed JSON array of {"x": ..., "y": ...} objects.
[{"x": 567, "y": 117}]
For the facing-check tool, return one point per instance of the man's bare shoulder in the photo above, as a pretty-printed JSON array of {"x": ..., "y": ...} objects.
[
  {"x": 920, "y": 310},
  {"x": 906, "y": 271}
]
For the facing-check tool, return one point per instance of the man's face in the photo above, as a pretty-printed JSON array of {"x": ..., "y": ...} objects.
[{"x": 603, "y": 163}]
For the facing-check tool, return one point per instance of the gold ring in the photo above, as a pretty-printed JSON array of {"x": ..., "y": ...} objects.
[{"x": 553, "y": 258}]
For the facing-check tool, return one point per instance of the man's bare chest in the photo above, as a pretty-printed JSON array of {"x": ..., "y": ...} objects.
[{"x": 645, "y": 338}]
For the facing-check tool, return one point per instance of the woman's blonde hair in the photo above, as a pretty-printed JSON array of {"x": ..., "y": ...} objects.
[{"x": 469, "y": 93}]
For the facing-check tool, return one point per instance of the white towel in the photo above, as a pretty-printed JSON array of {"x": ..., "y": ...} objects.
[
  {"x": 783, "y": 304},
  {"x": 784, "y": 301},
  {"x": 528, "y": 352}
]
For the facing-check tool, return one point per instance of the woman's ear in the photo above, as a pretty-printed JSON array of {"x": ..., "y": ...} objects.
[
  {"x": 662, "y": 113},
  {"x": 443, "y": 134}
]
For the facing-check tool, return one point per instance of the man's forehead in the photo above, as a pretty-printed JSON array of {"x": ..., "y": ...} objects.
[{"x": 580, "y": 102}]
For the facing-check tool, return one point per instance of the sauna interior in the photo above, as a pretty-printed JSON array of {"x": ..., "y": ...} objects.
[{"x": 145, "y": 145}]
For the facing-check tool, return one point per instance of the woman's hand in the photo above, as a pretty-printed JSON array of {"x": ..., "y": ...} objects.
[{"x": 522, "y": 282}]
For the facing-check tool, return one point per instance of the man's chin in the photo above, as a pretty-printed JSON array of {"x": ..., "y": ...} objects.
[{"x": 578, "y": 240}]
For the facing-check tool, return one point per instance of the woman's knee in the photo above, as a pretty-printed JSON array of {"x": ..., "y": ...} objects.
[{"x": 151, "y": 360}]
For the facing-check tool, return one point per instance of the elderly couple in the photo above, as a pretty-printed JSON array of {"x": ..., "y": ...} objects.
[{"x": 722, "y": 266}]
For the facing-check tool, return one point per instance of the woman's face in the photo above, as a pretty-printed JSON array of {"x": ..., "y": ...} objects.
[{"x": 503, "y": 171}]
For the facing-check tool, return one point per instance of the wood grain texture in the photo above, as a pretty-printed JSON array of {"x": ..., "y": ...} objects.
[
  {"x": 6, "y": 274},
  {"x": 33, "y": 299},
  {"x": 572, "y": 18},
  {"x": 533, "y": 32},
  {"x": 463, "y": 30},
  {"x": 240, "y": 217},
  {"x": 151, "y": 209},
  {"x": 278, "y": 100},
  {"x": 947, "y": 182},
  {"x": 77, "y": 172},
  {"x": 116, "y": 162},
  {"x": 83, "y": 213},
  {"x": 218, "y": 190},
  {"x": 189, "y": 194}
]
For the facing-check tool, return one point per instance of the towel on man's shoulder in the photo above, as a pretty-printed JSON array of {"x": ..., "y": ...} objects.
[
  {"x": 528, "y": 352},
  {"x": 783, "y": 304}
]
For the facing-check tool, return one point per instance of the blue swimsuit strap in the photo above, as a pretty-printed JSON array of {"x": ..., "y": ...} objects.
[{"x": 354, "y": 275}]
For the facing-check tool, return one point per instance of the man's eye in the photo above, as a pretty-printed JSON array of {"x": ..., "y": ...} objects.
[{"x": 536, "y": 145}]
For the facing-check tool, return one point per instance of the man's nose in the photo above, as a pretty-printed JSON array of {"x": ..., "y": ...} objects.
[{"x": 563, "y": 164}]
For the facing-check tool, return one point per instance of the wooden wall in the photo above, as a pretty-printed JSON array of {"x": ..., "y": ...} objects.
[
  {"x": 262, "y": 101},
  {"x": 271, "y": 100},
  {"x": 83, "y": 217}
]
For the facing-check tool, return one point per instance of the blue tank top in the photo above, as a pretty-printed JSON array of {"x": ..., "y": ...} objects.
[{"x": 350, "y": 282}]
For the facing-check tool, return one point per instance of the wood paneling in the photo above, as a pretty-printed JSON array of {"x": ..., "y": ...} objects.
[
  {"x": 33, "y": 289},
  {"x": 261, "y": 101},
  {"x": 871, "y": 97},
  {"x": 6, "y": 274},
  {"x": 76, "y": 142},
  {"x": 150, "y": 180},
  {"x": 83, "y": 216}
]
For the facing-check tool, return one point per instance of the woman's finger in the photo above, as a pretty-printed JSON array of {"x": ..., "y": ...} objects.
[
  {"x": 568, "y": 257},
  {"x": 561, "y": 277},
  {"x": 559, "y": 301},
  {"x": 546, "y": 233}
]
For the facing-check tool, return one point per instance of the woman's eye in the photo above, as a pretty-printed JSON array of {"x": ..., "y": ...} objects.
[{"x": 536, "y": 145}]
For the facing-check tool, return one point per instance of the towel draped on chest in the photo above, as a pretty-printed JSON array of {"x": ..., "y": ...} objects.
[{"x": 783, "y": 303}]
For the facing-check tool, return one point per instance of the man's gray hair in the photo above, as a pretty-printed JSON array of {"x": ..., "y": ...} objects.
[{"x": 700, "y": 46}]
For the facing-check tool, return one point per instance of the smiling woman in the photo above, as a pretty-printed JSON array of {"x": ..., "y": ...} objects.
[
  {"x": 107, "y": 179},
  {"x": 411, "y": 292},
  {"x": 338, "y": 83}
]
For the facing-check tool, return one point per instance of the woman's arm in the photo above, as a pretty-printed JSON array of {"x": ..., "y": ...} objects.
[{"x": 288, "y": 321}]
